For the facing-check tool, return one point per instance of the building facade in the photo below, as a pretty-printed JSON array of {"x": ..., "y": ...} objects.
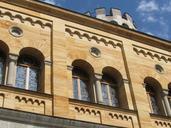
[{"x": 62, "y": 69}]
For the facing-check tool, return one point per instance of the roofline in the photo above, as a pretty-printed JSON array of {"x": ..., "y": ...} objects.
[
  {"x": 105, "y": 21},
  {"x": 79, "y": 18}
]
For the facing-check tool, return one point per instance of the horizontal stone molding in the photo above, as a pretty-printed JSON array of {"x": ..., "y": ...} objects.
[
  {"x": 152, "y": 54},
  {"x": 87, "y": 110},
  {"x": 92, "y": 36},
  {"x": 163, "y": 124},
  {"x": 120, "y": 117},
  {"x": 32, "y": 100},
  {"x": 23, "y": 18}
]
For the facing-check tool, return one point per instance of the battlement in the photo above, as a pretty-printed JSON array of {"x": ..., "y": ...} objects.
[{"x": 115, "y": 17}]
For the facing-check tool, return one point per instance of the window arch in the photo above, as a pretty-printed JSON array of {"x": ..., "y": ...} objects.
[
  {"x": 153, "y": 90},
  {"x": 109, "y": 91},
  {"x": 81, "y": 76},
  {"x": 29, "y": 70},
  {"x": 4, "y": 50},
  {"x": 113, "y": 93}
]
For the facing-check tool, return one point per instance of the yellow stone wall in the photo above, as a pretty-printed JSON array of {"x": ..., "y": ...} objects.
[{"x": 61, "y": 42}]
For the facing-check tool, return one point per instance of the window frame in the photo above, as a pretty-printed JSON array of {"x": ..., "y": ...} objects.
[
  {"x": 27, "y": 77},
  {"x": 110, "y": 85},
  {"x": 78, "y": 79},
  {"x": 151, "y": 93}
]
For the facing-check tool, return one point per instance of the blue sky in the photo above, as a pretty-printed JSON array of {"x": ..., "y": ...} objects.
[{"x": 150, "y": 16}]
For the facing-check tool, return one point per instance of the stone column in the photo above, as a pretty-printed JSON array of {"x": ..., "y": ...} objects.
[
  {"x": 12, "y": 62},
  {"x": 166, "y": 102},
  {"x": 128, "y": 94},
  {"x": 70, "y": 81},
  {"x": 47, "y": 76},
  {"x": 98, "y": 77}
]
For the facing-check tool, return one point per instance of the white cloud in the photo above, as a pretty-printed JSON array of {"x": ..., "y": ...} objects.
[
  {"x": 50, "y": 1},
  {"x": 166, "y": 7},
  {"x": 148, "y": 6}
]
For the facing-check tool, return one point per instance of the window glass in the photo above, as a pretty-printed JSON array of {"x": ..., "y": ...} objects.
[
  {"x": 33, "y": 79},
  {"x": 75, "y": 88},
  {"x": 154, "y": 104},
  {"x": 105, "y": 94},
  {"x": 84, "y": 91},
  {"x": 113, "y": 94},
  {"x": 1, "y": 69},
  {"x": 152, "y": 96},
  {"x": 27, "y": 76},
  {"x": 21, "y": 77}
]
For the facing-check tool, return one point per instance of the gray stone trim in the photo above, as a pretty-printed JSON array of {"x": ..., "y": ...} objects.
[
  {"x": 13, "y": 57},
  {"x": 47, "y": 62},
  {"x": 46, "y": 121},
  {"x": 125, "y": 81},
  {"x": 70, "y": 67},
  {"x": 98, "y": 76}
]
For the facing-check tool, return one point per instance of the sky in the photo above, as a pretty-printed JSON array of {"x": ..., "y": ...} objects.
[{"x": 150, "y": 16}]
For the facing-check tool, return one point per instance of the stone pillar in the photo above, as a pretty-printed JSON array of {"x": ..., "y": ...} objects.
[
  {"x": 12, "y": 62},
  {"x": 128, "y": 94},
  {"x": 70, "y": 82},
  {"x": 98, "y": 77},
  {"x": 166, "y": 102},
  {"x": 47, "y": 77}
]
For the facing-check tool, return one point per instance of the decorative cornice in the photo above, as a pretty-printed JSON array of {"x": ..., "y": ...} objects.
[
  {"x": 120, "y": 116},
  {"x": 33, "y": 101},
  {"x": 162, "y": 123},
  {"x": 92, "y": 36},
  {"x": 152, "y": 54},
  {"x": 88, "y": 111},
  {"x": 23, "y": 18}
]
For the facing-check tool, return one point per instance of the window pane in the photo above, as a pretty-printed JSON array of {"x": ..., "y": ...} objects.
[
  {"x": 84, "y": 91},
  {"x": 113, "y": 95},
  {"x": 33, "y": 79},
  {"x": 105, "y": 94},
  {"x": 154, "y": 105},
  {"x": 75, "y": 88},
  {"x": 1, "y": 69},
  {"x": 170, "y": 101},
  {"x": 21, "y": 77}
]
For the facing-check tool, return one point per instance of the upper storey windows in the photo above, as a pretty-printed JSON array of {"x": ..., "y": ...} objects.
[
  {"x": 106, "y": 89},
  {"x": 80, "y": 84},
  {"x": 2, "y": 66},
  {"x": 109, "y": 91},
  {"x": 27, "y": 75}
]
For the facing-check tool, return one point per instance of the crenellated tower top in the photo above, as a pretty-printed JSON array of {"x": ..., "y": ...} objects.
[{"x": 115, "y": 17}]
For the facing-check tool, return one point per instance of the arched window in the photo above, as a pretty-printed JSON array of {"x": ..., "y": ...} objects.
[
  {"x": 4, "y": 50},
  {"x": 154, "y": 91},
  {"x": 82, "y": 74},
  {"x": 2, "y": 67},
  {"x": 152, "y": 99},
  {"x": 80, "y": 84},
  {"x": 169, "y": 94},
  {"x": 109, "y": 91},
  {"x": 28, "y": 71}
]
